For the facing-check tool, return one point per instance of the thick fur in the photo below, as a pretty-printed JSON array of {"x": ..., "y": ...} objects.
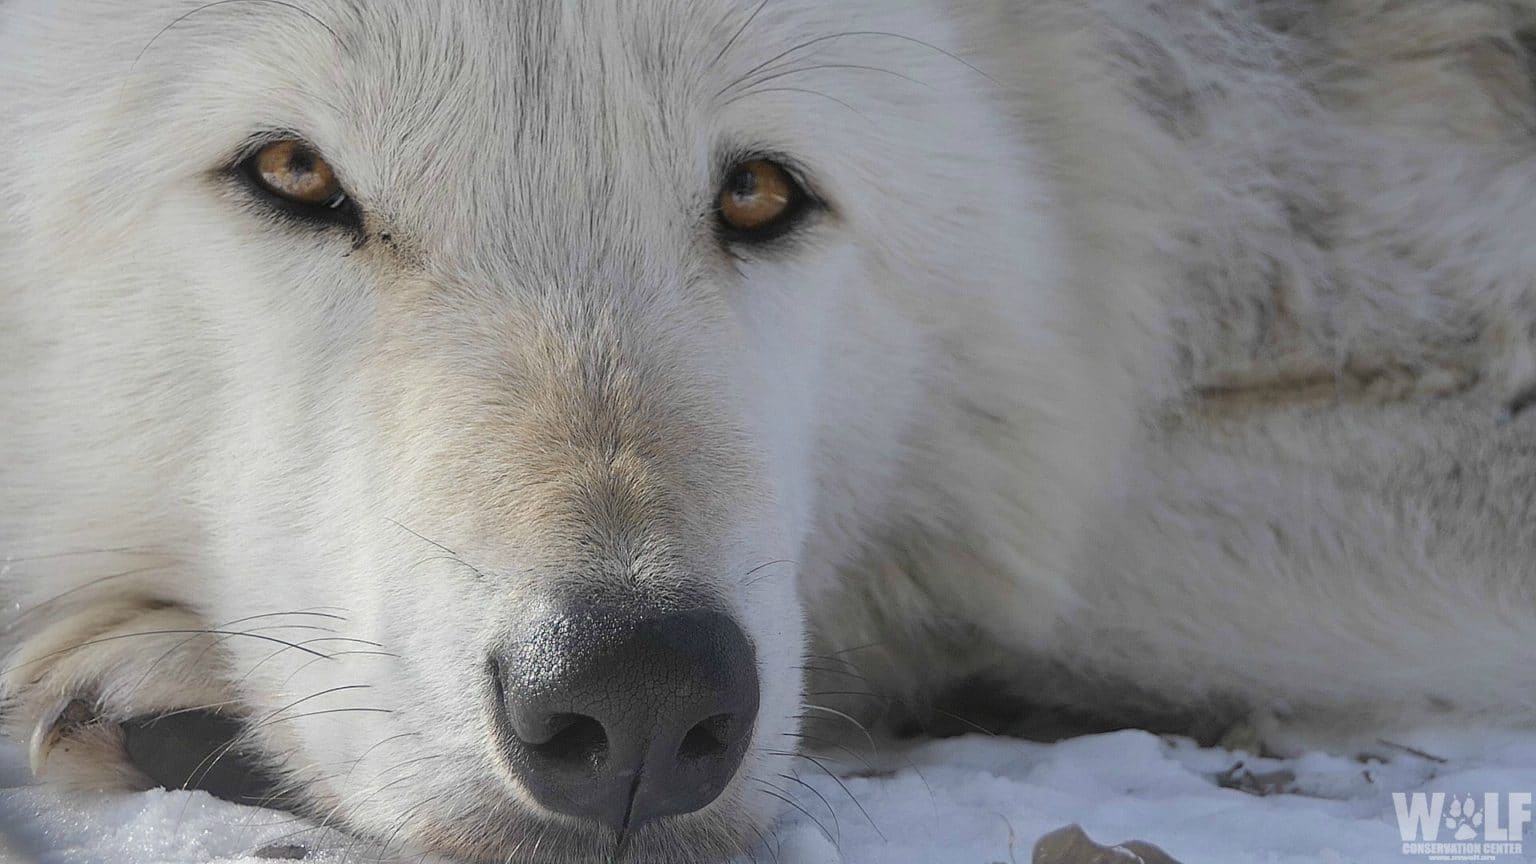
[{"x": 1149, "y": 358}]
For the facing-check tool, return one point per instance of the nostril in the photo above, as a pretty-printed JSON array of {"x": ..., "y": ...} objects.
[
  {"x": 574, "y": 739},
  {"x": 709, "y": 739},
  {"x": 625, "y": 718}
]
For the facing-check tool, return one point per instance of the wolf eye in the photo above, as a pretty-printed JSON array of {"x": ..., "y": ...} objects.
[
  {"x": 759, "y": 200},
  {"x": 297, "y": 176}
]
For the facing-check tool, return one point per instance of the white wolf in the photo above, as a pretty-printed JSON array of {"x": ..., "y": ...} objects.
[{"x": 503, "y": 401}]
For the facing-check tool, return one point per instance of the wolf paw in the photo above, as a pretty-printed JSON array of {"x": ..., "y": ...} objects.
[
  {"x": 1464, "y": 817},
  {"x": 70, "y": 685}
]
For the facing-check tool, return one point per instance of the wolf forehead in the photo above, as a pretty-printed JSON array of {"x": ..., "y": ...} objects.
[{"x": 577, "y": 114}]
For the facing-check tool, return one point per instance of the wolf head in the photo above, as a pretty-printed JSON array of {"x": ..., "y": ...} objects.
[{"x": 498, "y": 378}]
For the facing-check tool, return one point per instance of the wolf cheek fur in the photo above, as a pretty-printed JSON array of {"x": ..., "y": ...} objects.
[{"x": 1147, "y": 356}]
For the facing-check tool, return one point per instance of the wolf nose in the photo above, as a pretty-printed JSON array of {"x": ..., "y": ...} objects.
[{"x": 625, "y": 718}]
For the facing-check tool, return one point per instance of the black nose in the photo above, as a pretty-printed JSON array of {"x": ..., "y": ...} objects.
[{"x": 624, "y": 718}]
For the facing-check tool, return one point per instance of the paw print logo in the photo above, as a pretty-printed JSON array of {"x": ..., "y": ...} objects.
[{"x": 1464, "y": 818}]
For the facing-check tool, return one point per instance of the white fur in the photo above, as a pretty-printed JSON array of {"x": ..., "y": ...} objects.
[{"x": 1150, "y": 358}]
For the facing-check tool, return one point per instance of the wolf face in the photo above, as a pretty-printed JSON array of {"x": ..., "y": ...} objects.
[{"x": 465, "y": 395}]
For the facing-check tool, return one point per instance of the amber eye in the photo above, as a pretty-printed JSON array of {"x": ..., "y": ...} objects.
[
  {"x": 292, "y": 171},
  {"x": 759, "y": 200}
]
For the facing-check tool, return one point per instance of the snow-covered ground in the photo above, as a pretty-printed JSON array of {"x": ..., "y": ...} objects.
[{"x": 962, "y": 801}]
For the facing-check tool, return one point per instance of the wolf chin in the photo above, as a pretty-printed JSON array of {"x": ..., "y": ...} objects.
[{"x": 1145, "y": 361}]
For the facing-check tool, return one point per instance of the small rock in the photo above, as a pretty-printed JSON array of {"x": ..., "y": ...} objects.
[
  {"x": 282, "y": 853},
  {"x": 1263, "y": 785},
  {"x": 1071, "y": 845}
]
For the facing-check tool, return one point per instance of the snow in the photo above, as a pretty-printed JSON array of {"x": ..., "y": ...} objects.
[{"x": 961, "y": 801}]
